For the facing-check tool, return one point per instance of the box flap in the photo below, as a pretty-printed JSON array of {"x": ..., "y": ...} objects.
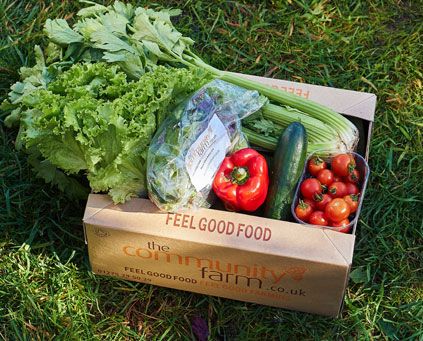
[
  {"x": 95, "y": 204},
  {"x": 344, "y": 245},
  {"x": 287, "y": 239},
  {"x": 348, "y": 102}
]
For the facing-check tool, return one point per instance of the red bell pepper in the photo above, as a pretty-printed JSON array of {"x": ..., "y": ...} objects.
[{"x": 242, "y": 180}]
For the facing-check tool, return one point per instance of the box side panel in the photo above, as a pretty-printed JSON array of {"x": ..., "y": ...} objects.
[
  {"x": 241, "y": 231},
  {"x": 348, "y": 102},
  {"x": 369, "y": 137},
  {"x": 220, "y": 271}
]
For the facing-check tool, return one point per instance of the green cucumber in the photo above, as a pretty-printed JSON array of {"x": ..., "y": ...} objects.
[{"x": 288, "y": 164}]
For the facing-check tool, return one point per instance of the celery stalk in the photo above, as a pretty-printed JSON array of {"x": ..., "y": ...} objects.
[
  {"x": 326, "y": 128},
  {"x": 316, "y": 130},
  {"x": 266, "y": 142},
  {"x": 347, "y": 132}
]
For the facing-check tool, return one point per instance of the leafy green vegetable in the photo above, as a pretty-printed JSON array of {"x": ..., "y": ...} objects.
[
  {"x": 54, "y": 176},
  {"x": 91, "y": 120},
  {"x": 135, "y": 39},
  {"x": 60, "y": 32},
  {"x": 34, "y": 78},
  {"x": 138, "y": 39}
]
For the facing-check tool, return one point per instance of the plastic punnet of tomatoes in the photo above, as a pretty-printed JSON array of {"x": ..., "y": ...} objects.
[{"x": 331, "y": 190}]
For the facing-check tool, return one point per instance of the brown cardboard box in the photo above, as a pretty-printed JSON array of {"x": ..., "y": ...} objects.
[{"x": 227, "y": 254}]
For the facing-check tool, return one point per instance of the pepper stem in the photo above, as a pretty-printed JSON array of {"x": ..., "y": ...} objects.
[{"x": 240, "y": 175}]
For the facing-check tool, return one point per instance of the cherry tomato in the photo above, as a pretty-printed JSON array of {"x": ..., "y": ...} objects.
[
  {"x": 337, "y": 190},
  {"x": 343, "y": 164},
  {"x": 318, "y": 218},
  {"x": 315, "y": 165},
  {"x": 352, "y": 200},
  {"x": 352, "y": 188},
  {"x": 321, "y": 201},
  {"x": 337, "y": 178},
  {"x": 342, "y": 226},
  {"x": 354, "y": 176},
  {"x": 311, "y": 202},
  {"x": 303, "y": 210},
  {"x": 325, "y": 177},
  {"x": 309, "y": 187},
  {"x": 337, "y": 210}
]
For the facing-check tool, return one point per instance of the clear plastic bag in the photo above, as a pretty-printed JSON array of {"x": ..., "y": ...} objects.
[{"x": 192, "y": 142}]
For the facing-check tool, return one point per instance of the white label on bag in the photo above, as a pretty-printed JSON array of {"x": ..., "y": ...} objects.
[{"x": 204, "y": 157}]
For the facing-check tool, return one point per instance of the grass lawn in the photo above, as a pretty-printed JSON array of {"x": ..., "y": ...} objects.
[{"x": 46, "y": 288}]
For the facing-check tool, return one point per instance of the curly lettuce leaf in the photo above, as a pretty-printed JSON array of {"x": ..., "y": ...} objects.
[
  {"x": 52, "y": 175},
  {"x": 92, "y": 120},
  {"x": 33, "y": 79}
]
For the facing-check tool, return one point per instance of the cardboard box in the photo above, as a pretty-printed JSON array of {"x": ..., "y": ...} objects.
[{"x": 227, "y": 254}]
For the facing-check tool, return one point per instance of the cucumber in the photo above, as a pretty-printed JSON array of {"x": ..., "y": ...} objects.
[{"x": 288, "y": 164}]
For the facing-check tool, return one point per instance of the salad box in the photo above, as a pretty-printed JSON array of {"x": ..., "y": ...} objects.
[{"x": 227, "y": 254}]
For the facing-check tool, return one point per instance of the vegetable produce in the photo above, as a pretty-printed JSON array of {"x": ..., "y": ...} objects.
[
  {"x": 242, "y": 180},
  {"x": 343, "y": 164},
  {"x": 138, "y": 39},
  {"x": 288, "y": 163},
  {"x": 303, "y": 210},
  {"x": 321, "y": 201},
  {"x": 190, "y": 145},
  {"x": 337, "y": 178},
  {"x": 342, "y": 226},
  {"x": 340, "y": 200},
  {"x": 315, "y": 165},
  {"x": 337, "y": 189},
  {"x": 326, "y": 129},
  {"x": 352, "y": 200},
  {"x": 353, "y": 176},
  {"x": 310, "y": 188},
  {"x": 351, "y": 188},
  {"x": 318, "y": 218},
  {"x": 91, "y": 120},
  {"x": 337, "y": 210},
  {"x": 310, "y": 202},
  {"x": 325, "y": 177}
]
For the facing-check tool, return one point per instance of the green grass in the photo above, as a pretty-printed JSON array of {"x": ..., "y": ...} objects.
[{"x": 46, "y": 288}]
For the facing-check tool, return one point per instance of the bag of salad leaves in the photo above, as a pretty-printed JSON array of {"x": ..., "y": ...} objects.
[{"x": 192, "y": 142}]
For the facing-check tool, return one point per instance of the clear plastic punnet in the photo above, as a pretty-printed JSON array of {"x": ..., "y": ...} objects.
[
  {"x": 361, "y": 166},
  {"x": 192, "y": 142}
]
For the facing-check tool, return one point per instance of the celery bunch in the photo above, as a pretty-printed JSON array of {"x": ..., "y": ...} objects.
[{"x": 139, "y": 39}]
